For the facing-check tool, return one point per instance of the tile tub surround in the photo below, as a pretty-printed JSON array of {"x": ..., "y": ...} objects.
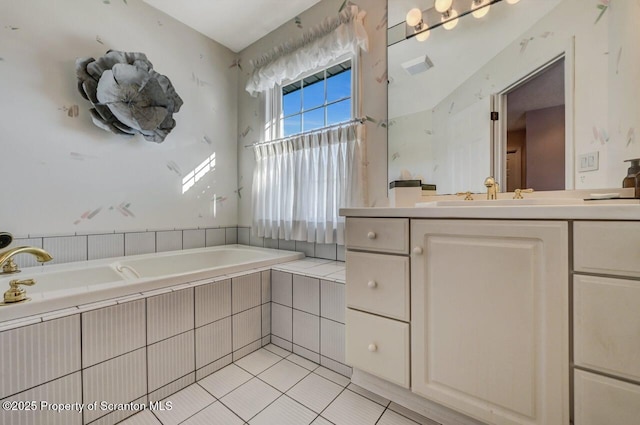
[
  {"x": 145, "y": 339},
  {"x": 274, "y": 387}
]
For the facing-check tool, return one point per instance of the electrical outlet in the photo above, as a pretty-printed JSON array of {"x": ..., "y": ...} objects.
[{"x": 588, "y": 162}]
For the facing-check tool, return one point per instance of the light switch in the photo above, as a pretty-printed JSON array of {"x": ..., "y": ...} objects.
[{"x": 588, "y": 162}]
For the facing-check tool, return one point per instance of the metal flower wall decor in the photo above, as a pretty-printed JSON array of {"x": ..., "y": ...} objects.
[{"x": 128, "y": 96}]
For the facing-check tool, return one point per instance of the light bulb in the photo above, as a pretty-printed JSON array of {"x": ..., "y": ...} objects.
[
  {"x": 512, "y": 1},
  {"x": 480, "y": 8},
  {"x": 452, "y": 19},
  {"x": 422, "y": 36},
  {"x": 414, "y": 17},
  {"x": 443, "y": 5}
]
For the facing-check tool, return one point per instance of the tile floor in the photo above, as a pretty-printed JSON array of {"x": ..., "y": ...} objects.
[{"x": 272, "y": 386}]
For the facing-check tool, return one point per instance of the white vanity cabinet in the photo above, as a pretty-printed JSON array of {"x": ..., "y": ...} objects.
[
  {"x": 606, "y": 322},
  {"x": 489, "y": 324}
]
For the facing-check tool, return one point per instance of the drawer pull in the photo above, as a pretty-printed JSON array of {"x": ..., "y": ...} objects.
[
  {"x": 372, "y": 284},
  {"x": 371, "y": 235},
  {"x": 373, "y": 348},
  {"x": 417, "y": 250}
]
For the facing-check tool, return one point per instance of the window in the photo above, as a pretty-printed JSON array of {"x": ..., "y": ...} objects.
[{"x": 316, "y": 101}]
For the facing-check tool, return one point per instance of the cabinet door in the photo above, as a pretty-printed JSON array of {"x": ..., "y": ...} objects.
[
  {"x": 604, "y": 401},
  {"x": 489, "y": 302}
]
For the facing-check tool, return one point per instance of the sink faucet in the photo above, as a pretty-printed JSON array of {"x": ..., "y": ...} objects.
[
  {"x": 6, "y": 258},
  {"x": 492, "y": 187}
]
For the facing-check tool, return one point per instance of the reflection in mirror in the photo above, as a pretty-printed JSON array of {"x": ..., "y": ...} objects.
[{"x": 563, "y": 76}]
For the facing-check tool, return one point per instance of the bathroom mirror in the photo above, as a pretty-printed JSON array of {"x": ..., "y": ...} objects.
[{"x": 562, "y": 74}]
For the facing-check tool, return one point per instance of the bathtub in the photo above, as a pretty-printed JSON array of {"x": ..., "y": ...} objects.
[{"x": 76, "y": 284}]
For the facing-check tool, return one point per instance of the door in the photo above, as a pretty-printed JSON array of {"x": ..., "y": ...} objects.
[{"x": 490, "y": 307}]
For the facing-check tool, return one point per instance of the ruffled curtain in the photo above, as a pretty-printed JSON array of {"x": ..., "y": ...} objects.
[
  {"x": 300, "y": 183},
  {"x": 325, "y": 43}
]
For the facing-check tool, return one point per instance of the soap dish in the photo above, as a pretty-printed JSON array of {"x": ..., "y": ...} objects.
[{"x": 595, "y": 196}]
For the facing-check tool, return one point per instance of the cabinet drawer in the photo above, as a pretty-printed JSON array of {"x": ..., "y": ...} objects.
[
  {"x": 607, "y": 247},
  {"x": 600, "y": 400},
  {"x": 379, "y": 284},
  {"x": 378, "y": 346},
  {"x": 378, "y": 234},
  {"x": 607, "y": 325}
]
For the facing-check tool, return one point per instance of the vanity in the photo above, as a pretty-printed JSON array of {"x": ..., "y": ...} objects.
[{"x": 498, "y": 314}]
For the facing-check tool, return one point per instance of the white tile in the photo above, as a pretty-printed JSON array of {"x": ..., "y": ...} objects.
[
  {"x": 332, "y": 300},
  {"x": 213, "y": 367},
  {"x": 250, "y": 398},
  {"x": 271, "y": 243},
  {"x": 215, "y": 414},
  {"x": 332, "y": 376},
  {"x": 286, "y": 245},
  {"x": 416, "y": 417},
  {"x": 171, "y": 359},
  {"x": 301, "y": 361},
  {"x": 58, "y": 314},
  {"x": 142, "y": 418},
  {"x": 282, "y": 321},
  {"x": 169, "y": 314},
  {"x": 247, "y": 349},
  {"x": 315, "y": 392},
  {"x": 282, "y": 343},
  {"x": 65, "y": 249},
  {"x": 213, "y": 341},
  {"x": 60, "y": 391},
  {"x": 231, "y": 235},
  {"x": 368, "y": 394},
  {"x": 185, "y": 403},
  {"x": 321, "y": 421},
  {"x": 255, "y": 240},
  {"x": 247, "y": 327},
  {"x": 112, "y": 331},
  {"x": 246, "y": 292},
  {"x": 266, "y": 340},
  {"x": 281, "y": 288},
  {"x": 169, "y": 240},
  {"x": 306, "y": 331},
  {"x": 215, "y": 237},
  {"x": 119, "y": 380},
  {"x": 21, "y": 322},
  {"x": 341, "y": 253},
  {"x": 284, "y": 411},
  {"x": 117, "y": 416},
  {"x": 332, "y": 340},
  {"x": 26, "y": 260},
  {"x": 46, "y": 350},
  {"x": 277, "y": 350},
  {"x": 353, "y": 409},
  {"x": 172, "y": 387},
  {"x": 337, "y": 367},
  {"x": 392, "y": 418},
  {"x": 266, "y": 286},
  {"x": 340, "y": 276},
  {"x": 326, "y": 269},
  {"x": 266, "y": 319},
  {"x": 139, "y": 243},
  {"x": 105, "y": 246},
  {"x": 258, "y": 361},
  {"x": 225, "y": 380},
  {"x": 212, "y": 302},
  {"x": 308, "y": 248},
  {"x": 306, "y": 294},
  {"x": 194, "y": 238},
  {"x": 284, "y": 375},
  {"x": 244, "y": 237},
  {"x": 307, "y": 354},
  {"x": 326, "y": 251}
]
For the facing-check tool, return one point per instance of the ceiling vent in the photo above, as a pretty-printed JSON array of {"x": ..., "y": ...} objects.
[{"x": 418, "y": 65}]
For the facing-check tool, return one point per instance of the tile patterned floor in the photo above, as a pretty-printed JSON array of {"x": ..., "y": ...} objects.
[{"x": 275, "y": 387}]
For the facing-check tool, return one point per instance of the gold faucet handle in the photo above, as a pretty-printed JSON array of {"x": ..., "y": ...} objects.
[
  {"x": 15, "y": 294},
  {"x": 518, "y": 193},
  {"x": 10, "y": 267},
  {"x": 467, "y": 195}
]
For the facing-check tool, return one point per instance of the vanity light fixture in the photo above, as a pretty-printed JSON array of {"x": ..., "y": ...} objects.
[
  {"x": 449, "y": 19},
  {"x": 443, "y": 5},
  {"x": 512, "y": 1},
  {"x": 480, "y": 8},
  {"x": 414, "y": 19}
]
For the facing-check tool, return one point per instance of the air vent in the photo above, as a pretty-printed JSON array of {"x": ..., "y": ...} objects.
[{"x": 418, "y": 65}]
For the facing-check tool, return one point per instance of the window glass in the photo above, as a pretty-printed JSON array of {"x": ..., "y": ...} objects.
[
  {"x": 292, "y": 125},
  {"x": 339, "y": 112},
  {"x": 339, "y": 86},
  {"x": 313, "y": 93},
  {"x": 313, "y": 119},
  {"x": 291, "y": 101}
]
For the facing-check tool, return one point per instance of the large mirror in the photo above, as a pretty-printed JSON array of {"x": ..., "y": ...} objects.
[{"x": 562, "y": 75}]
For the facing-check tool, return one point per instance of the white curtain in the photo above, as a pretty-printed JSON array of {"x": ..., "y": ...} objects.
[
  {"x": 300, "y": 183},
  {"x": 334, "y": 38}
]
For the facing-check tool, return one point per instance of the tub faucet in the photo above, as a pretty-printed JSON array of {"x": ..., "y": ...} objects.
[
  {"x": 6, "y": 258},
  {"x": 492, "y": 187}
]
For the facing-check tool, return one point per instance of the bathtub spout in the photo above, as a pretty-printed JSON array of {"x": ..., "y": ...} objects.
[{"x": 6, "y": 258}]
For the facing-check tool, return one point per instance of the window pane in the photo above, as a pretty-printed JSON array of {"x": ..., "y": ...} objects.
[
  {"x": 292, "y": 125},
  {"x": 291, "y": 99},
  {"x": 313, "y": 94},
  {"x": 313, "y": 119},
  {"x": 339, "y": 112},
  {"x": 339, "y": 86}
]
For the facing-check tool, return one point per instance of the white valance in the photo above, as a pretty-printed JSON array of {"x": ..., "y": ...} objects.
[{"x": 334, "y": 38}]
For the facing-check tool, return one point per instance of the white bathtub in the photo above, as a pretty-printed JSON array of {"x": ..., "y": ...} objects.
[{"x": 74, "y": 284}]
